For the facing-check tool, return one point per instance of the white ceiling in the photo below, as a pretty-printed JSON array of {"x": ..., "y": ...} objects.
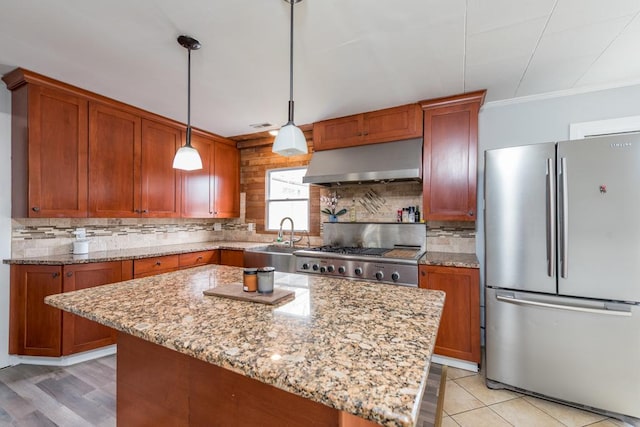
[{"x": 350, "y": 55}]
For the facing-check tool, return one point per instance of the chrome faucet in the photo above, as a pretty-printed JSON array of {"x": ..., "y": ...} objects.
[{"x": 291, "y": 240}]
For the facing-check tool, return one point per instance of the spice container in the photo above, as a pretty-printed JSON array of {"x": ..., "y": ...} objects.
[
  {"x": 265, "y": 280},
  {"x": 250, "y": 280}
]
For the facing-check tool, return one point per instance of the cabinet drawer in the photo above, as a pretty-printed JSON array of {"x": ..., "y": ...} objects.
[
  {"x": 198, "y": 258},
  {"x": 155, "y": 265}
]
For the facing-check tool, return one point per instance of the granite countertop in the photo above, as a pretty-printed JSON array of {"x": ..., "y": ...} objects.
[
  {"x": 450, "y": 259},
  {"x": 136, "y": 253},
  {"x": 359, "y": 347}
]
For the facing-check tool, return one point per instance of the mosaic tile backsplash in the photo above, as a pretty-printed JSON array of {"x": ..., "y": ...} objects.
[{"x": 375, "y": 203}]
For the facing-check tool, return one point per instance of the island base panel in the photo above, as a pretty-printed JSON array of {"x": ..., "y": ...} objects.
[{"x": 159, "y": 386}]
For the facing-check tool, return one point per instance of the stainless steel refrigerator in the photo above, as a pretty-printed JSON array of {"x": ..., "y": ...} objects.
[{"x": 562, "y": 271}]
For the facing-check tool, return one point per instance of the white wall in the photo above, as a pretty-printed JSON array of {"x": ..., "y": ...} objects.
[
  {"x": 5, "y": 220},
  {"x": 543, "y": 120}
]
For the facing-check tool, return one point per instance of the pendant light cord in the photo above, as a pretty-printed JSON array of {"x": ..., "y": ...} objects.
[
  {"x": 188, "y": 142},
  {"x": 291, "y": 66}
]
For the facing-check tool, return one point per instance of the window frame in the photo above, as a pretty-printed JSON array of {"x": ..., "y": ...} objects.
[{"x": 267, "y": 199}]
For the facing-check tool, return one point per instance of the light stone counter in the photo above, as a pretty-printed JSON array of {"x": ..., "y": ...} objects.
[
  {"x": 136, "y": 253},
  {"x": 450, "y": 259},
  {"x": 359, "y": 347}
]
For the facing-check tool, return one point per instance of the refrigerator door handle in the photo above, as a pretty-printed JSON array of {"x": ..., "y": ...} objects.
[
  {"x": 564, "y": 220},
  {"x": 582, "y": 309},
  {"x": 551, "y": 219}
]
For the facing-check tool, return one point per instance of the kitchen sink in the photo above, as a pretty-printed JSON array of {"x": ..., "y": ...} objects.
[{"x": 278, "y": 256}]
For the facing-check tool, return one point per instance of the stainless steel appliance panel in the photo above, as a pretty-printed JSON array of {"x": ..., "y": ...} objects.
[
  {"x": 600, "y": 235},
  {"x": 576, "y": 350},
  {"x": 519, "y": 218}
]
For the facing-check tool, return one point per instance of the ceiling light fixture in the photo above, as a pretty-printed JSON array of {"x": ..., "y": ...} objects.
[
  {"x": 290, "y": 140},
  {"x": 187, "y": 157}
]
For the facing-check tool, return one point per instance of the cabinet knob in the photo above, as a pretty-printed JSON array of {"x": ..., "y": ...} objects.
[
  {"x": 366, "y": 133},
  {"x": 35, "y": 209},
  {"x": 137, "y": 211},
  {"x": 69, "y": 273},
  {"x": 199, "y": 258},
  {"x": 471, "y": 213},
  {"x": 54, "y": 275},
  {"x": 145, "y": 211},
  {"x": 158, "y": 263}
]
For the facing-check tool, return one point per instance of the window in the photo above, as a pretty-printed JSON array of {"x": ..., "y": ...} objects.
[{"x": 287, "y": 196}]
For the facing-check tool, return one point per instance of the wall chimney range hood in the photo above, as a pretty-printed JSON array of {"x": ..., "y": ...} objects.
[{"x": 389, "y": 161}]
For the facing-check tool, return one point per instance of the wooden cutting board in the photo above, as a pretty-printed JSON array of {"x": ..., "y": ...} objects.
[{"x": 234, "y": 291}]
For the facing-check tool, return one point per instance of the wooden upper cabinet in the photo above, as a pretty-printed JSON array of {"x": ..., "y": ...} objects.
[
  {"x": 450, "y": 157},
  {"x": 459, "y": 331},
  {"x": 227, "y": 181},
  {"x": 80, "y": 334},
  {"x": 197, "y": 185},
  {"x": 114, "y": 162},
  {"x": 49, "y": 150},
  {"x": 390, "y": 124},
  {"x": 213, "y": 191},
  {"x": 161, "y": 190}
]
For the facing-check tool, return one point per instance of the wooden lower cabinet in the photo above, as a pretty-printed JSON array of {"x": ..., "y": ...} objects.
[
  {"x": 80, "y": 334},
  {"x": 34, "y": 327},
  {"x": 37, "y": 329},
  {"x": 459, "y": 332},
  {"x": 155, "y": 265},
  {"x": 233, "y": 257},
  {"x": 160, "y": 386},
  {"x": 194, "y": 259}
]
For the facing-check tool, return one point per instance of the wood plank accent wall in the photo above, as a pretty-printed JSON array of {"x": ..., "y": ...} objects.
[{"x": 255, "y": 159}]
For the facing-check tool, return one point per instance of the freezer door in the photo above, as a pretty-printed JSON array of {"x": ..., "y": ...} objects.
[
  {"x": 599, "y": 230},
  {"x": 520, "y": 226},
  {"x": 576, "y": 350}
]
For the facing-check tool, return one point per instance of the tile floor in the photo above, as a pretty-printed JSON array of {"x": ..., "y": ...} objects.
[{"x": 468, "y": 402}]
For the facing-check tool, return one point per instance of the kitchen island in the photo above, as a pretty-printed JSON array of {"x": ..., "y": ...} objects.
[{"x": 341, "y": 353}]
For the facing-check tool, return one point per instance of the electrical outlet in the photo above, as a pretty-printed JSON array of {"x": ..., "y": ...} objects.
[{"x": 217, "y": 226}]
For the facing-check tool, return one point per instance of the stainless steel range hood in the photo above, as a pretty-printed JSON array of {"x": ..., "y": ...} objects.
[{"x": 389, "y": 161}]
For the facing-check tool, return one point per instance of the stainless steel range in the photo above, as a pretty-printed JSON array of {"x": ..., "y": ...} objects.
[{"x": 383, "y": 252}]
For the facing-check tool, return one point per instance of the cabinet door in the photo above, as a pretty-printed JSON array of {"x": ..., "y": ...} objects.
[
  {"x": 233, "y": 257},
  {"x": 197, "y": 186},
  {"x": 227, "y": 181},
  {"x": 34, "y": 327},
  {"x": 57, "y": 147},
  {"x": 338, "y": 133},
  {"x": 114, "y": 162},
  {"x": 459, "y": 332},
  {"x": 80, "y": 334},
  {"x": 450, "y": 156},
  {"x": 161, "y": 187},
  {"x": 390, "y": 124}
]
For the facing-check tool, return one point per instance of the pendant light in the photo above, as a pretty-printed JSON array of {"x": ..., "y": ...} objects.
[
  {"x": 187, "y": 157},
  {"x": 290, "y": 140}
]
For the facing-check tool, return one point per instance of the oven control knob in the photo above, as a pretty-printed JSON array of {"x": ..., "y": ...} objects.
[
  {"x": 341, "y": 269},
  {"x": 305, "y": 266},
  {"x": 315, "y": 267},
  {"x": 331, "y": 268},
  {"x": 395, "y": 276},
  {"x": 358, "y": 271},
  {"x": 323, "y": 269},
  {"x": 379, "y": 275}
]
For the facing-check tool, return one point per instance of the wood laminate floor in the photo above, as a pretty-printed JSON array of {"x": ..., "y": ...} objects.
[{"x": 85, "y": 395}]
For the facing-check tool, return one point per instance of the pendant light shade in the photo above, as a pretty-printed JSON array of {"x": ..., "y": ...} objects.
[
  {"x": 290, "y": 140},
  {"x": 187, "y": 158}
]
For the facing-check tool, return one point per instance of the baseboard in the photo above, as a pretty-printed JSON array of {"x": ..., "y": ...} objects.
[
  {"x": 64, "y": 360},
  {"x": 455, "y": 363}
]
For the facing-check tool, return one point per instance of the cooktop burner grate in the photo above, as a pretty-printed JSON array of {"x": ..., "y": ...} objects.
[{"x": 352, "y": 250}]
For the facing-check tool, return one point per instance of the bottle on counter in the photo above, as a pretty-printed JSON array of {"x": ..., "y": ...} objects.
[
  {"x": 399, "y": 216},
  {"x": 405, "y": 215},
  {"x": 250, "y": 280},
  {"x": 417, "y": 214},
  {"x": 412, "y": 214}
]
